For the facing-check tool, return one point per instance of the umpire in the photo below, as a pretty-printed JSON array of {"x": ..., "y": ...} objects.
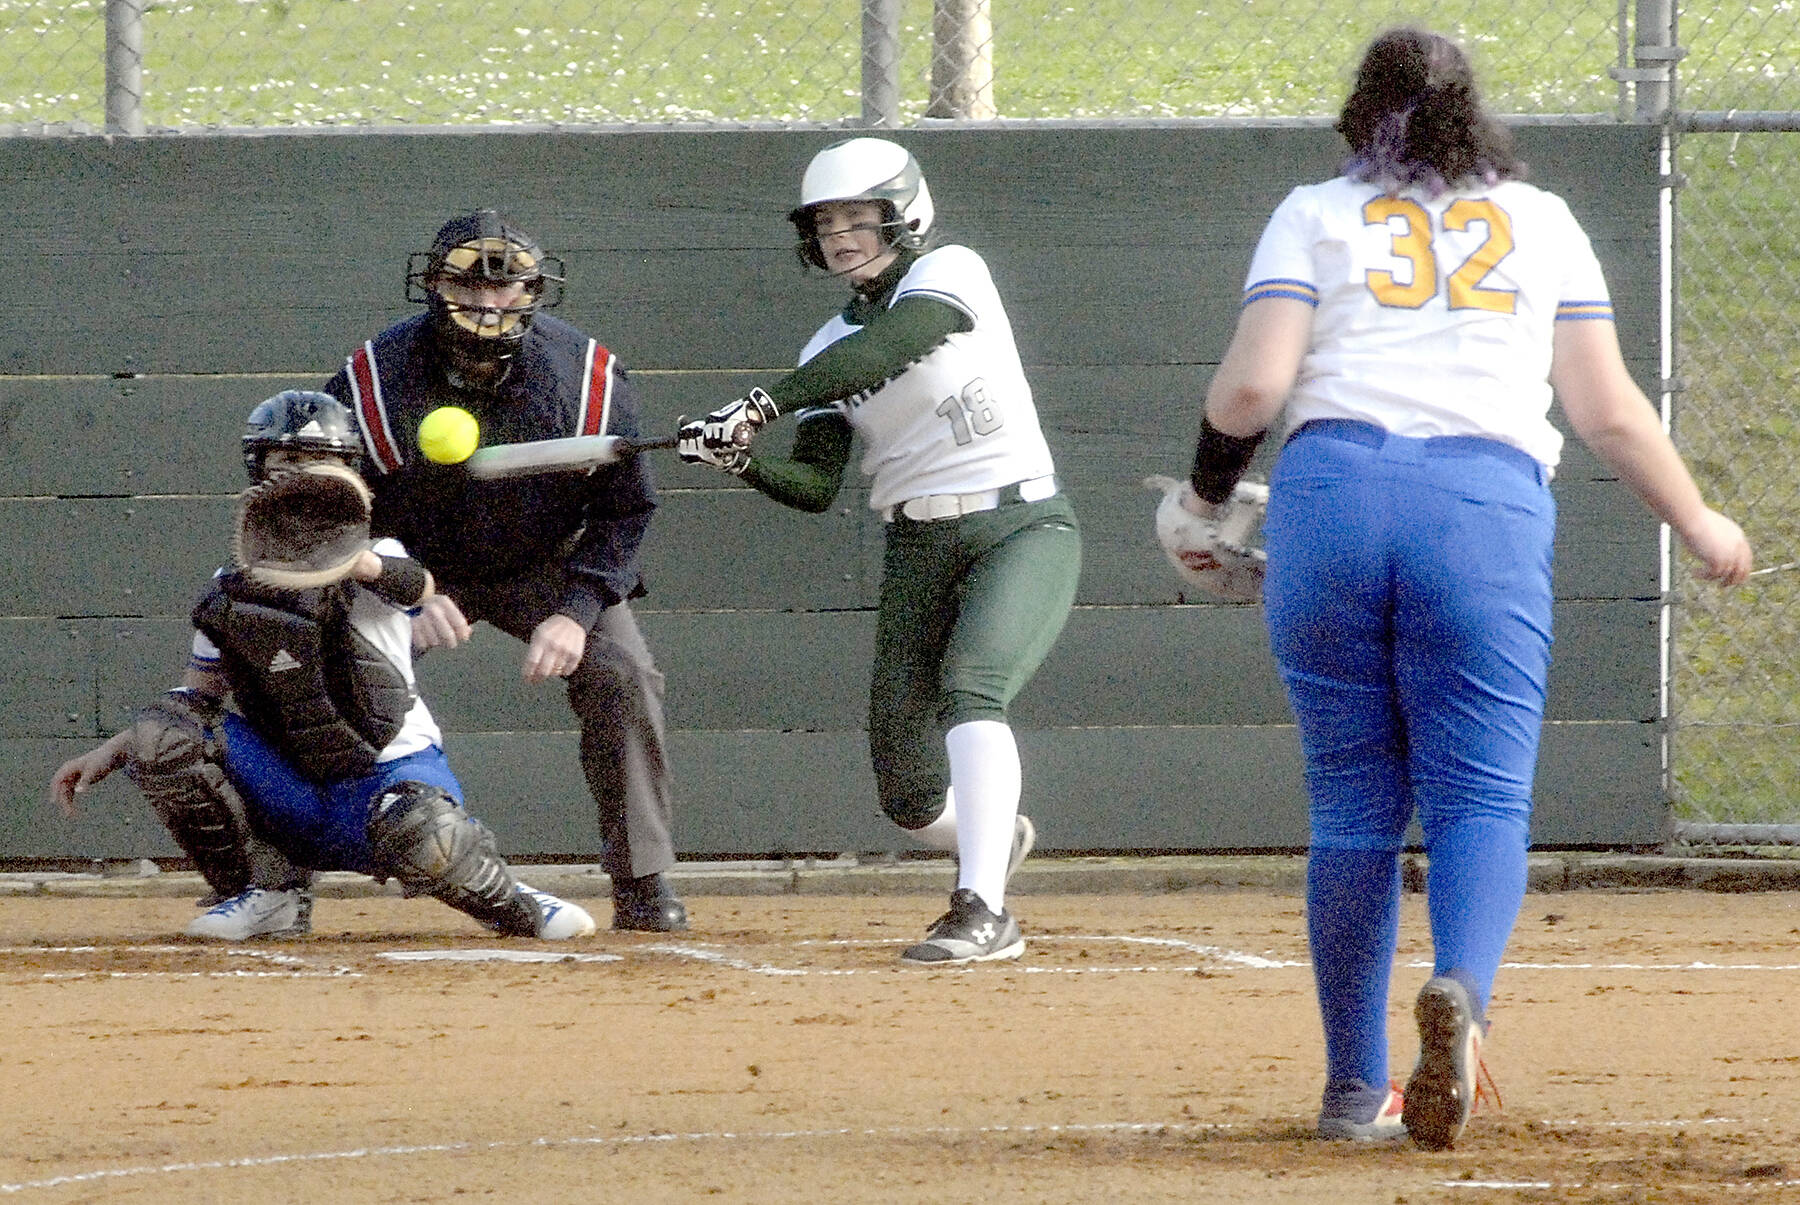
[{"x": 551, "y": 559}]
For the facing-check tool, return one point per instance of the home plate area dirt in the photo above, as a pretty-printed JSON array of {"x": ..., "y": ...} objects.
[{"x": 1145, "y": 1048}]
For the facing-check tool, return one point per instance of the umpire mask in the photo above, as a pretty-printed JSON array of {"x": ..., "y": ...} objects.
[{"x": 484, "y": 280}]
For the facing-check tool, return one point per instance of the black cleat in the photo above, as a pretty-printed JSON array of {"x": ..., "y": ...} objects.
[{"x": 648, "y": 905}]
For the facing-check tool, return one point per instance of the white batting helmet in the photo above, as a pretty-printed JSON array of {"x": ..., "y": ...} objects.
[{"x": 866, "y": 169}]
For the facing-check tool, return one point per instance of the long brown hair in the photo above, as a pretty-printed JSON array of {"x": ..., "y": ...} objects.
[{"x": 1414, "y": 117}]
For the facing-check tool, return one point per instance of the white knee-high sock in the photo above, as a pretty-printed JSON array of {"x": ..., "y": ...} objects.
[
  {"x": 940, "y": 833},
  {"x": 986, "y": 779}
]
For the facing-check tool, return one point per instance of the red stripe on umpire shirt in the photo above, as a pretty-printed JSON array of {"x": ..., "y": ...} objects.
[
  {"x": 596, "y": 401},
  {"x": 372, "y": 411}
]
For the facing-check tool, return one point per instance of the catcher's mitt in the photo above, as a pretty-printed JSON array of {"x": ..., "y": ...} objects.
[
  {"x": 1215, "y": 554},
  {"x": 302, "y": 529}
]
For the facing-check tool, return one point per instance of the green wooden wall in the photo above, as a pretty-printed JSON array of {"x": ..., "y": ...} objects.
[{"x": 167, "y": 285}]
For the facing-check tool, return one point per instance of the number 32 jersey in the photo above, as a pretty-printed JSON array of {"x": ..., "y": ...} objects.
[
  {"x": 959, "y": 420},
  {"x": 1434, "y": 316}
]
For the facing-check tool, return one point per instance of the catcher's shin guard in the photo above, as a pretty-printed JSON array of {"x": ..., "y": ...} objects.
[
  {"x": 421, "y": 837},
  {"x": 176, "y": 757}
]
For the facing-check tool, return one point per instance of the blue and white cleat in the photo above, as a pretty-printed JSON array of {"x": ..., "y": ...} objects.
[
  {"x": 256, "y": 912},
  {"x": 558, "y": 920}
]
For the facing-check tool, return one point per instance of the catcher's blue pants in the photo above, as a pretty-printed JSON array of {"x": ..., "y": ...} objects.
[
  {"x": 321, "y": 826},
  {"x": 1408, "y": 602}
]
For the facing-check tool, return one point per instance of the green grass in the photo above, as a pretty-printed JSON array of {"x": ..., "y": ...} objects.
[
  {"x": 249, "y": 63},
  {"x": 454, "y": 61},
  {"x": 218, "y": 63}
]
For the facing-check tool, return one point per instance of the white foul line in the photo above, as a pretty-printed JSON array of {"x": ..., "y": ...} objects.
[{"x": 880, "y": 1132}]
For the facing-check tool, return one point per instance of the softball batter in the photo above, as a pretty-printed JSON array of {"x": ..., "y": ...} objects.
[
  {"x": 1413, "y": 316},
  {"x": 983, "y": 552}
]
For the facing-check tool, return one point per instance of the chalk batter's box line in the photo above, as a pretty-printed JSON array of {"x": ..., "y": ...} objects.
[
  {"x": 286, "y": 963},
  {"x": 1221, "y": 959}
]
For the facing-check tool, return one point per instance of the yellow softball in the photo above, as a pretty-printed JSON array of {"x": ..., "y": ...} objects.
[{"x": 449, "y": 435}]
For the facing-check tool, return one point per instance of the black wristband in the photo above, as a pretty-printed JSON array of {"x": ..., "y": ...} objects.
[
  {"x": 1219, "y": 460},
  {"x": 402, "y": 580}
]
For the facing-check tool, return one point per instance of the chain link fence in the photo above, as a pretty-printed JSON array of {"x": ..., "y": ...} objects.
[
  {"x": 1735, "y": 386},
  {"x": 196, "y": 65},
  {"x": 1723, "y": 76}
]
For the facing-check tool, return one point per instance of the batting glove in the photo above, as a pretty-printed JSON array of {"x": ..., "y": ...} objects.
[
  {"x": 693, "y": 448},
  {"x": 734, "y": 426}
]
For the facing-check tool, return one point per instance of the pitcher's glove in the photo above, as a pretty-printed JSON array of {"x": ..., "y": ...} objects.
[
  {"x": 1214, "y": 553},
  {"x": 303, "y": 528}
]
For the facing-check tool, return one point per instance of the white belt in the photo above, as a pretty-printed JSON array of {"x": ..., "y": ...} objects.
[{"x": 954, "y": 506}]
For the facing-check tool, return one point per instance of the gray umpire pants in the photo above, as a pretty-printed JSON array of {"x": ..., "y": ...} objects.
[{"x": 616, "y": 694}]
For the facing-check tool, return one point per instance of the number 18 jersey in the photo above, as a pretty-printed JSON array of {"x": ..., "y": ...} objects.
[
  {"x": 960, "y": 419},
  {"x": 1434, "y": 315}
]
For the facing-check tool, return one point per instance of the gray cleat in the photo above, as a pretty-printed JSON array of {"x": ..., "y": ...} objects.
[{"x": 967, "y": 933}]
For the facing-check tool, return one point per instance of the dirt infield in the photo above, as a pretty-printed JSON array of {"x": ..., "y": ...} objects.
[{"x": 1148, "y": 1047}]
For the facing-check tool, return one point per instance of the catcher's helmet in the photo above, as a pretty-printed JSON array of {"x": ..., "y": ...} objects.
[
  {"x": 301, "y": 419},
  {"x": 865, "y": 169},
  {"x": 483, "y": 251}
]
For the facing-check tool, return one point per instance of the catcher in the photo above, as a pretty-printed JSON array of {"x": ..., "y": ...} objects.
[{"x": 329, "y": 759}]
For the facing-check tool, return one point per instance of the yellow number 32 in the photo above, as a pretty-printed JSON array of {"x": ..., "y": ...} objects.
[{"x": 1413, "y": 244}]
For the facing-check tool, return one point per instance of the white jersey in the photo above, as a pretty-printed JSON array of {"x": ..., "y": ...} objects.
[
  {"x": 959, "y": 420},
  {"x": 1434, "y": 316},
  {"x": 389, "y": 629}
]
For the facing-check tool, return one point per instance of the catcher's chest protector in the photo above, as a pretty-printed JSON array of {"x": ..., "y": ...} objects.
[{"x": 303, "y": 675}]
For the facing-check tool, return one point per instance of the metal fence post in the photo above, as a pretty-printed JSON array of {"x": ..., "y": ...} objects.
[
  {"x": 962, "y": 60},
  {"x": 1653, "y": 67},
  {"x": 1654, "y": 57},
  {"x": 125, "y": 66},
  {"x": 881, "y": 63}
]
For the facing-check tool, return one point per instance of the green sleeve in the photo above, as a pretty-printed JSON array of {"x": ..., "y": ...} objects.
[
  {"x": 811, "y": 476},
  {"x": 893, "y": 339}
]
